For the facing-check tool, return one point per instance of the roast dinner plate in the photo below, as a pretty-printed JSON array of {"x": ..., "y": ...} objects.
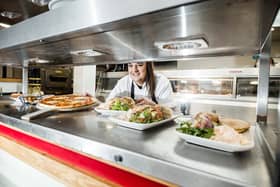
[{"x": 220, "y": 145}]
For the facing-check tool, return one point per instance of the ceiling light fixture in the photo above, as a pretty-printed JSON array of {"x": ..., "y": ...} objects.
[
  {"x": 4, "y": 25},
  {"x": 253, "y": 83},
  {"x": 40, "y": 2},
  {"x": 86, "y": 52},
  {"x": 10, "y": 15},
  {"x": 179, "y": 45},
  {"x": 37, "y": 60}
]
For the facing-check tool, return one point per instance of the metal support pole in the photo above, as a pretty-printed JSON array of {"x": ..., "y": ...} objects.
[
  {"x": 263, "y": 81},
  {"x": 25, "y": 78},
  {"x": 277, "y": 156},
  {"x": 277, "y": 164}
]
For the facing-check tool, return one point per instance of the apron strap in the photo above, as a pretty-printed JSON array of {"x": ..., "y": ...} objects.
[
  {"x": 132, "y": 91},
  {"x": 132, "y": 95},
  {"x": 154, "y": 98}
]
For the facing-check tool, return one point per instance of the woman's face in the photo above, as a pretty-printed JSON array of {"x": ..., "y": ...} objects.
[{"x": 137, "y": 72}]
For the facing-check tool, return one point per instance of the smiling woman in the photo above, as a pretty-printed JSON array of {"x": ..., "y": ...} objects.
[{"x": 143, "y": 85}]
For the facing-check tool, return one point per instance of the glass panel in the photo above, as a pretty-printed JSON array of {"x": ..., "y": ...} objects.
[
  {"x": 249, "y": 86},
  {"x": 207, "y": 86},
  {"x": 109, "y": 83},
  {"x": 104, "y": 87}
]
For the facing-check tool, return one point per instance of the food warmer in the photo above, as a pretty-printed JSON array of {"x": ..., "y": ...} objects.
[{"x": 92, "y": 32}]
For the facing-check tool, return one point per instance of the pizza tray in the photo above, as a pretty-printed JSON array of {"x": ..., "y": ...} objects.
[
  {"x": 48, "y": 110},
  {"x": 43, "y": 107}
]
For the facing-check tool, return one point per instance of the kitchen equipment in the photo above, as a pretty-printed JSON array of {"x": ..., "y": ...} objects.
[{"x": 57, "y": 80}]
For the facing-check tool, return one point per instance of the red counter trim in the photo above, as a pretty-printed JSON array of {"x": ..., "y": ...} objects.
[{"x": 79, "y": 161}]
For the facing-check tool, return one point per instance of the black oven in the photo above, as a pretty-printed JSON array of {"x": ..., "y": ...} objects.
[{"x": 57, "y": 81}]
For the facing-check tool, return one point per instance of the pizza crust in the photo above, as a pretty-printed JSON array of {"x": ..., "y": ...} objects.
[{"x": 70, "y": 101}]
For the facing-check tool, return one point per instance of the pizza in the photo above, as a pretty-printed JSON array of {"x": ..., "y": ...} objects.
[
  {"x": 15, "y": 95},
  {"x": 67, "y": 101}
]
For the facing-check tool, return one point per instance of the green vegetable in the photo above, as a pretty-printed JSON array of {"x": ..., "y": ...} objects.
[
  {"x": 186, "y": 128},
  {"x": 118, "y": 105},
  {"x": 145, "y": 116}
]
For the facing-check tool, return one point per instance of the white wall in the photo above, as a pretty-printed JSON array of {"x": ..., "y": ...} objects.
[
  {"x": 217, "y": 62},
  {"x": 84, "y": 79},
  {"x": 11, "y": 87}
]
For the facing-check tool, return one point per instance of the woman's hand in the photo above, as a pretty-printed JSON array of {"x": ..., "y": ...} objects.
[
  {"x": 144, "y": 101},
  {"x": 88, "y": 94}
]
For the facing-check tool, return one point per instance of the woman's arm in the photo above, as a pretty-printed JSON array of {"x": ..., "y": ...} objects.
[
  {"x": 121, "y": 89},
  {"x": 144, "y": 101}
]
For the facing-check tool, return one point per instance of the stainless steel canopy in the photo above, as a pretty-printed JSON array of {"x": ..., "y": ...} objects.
[{"x": 125, "y": 30}]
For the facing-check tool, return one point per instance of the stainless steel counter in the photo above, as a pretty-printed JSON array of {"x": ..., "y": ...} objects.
[{"x": 158, "y": 152}]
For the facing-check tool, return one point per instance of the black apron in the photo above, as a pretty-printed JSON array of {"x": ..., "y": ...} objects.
[{"x": 132, "y": 95}]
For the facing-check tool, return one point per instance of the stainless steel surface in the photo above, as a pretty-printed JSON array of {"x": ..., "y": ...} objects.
[
  {"x": 37, "y": 114},
  {"x": 16, "y": 11},
  {"x": 277, "y": 151},
  {"x": 267, "y": 17},
  {"x": 128, "y": 31},
  {"x": 263, "y": 81},
  {"x": 158, "y": 152}
]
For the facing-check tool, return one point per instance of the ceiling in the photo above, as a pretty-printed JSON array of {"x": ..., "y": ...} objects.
[{"x": 26, "y": 9}]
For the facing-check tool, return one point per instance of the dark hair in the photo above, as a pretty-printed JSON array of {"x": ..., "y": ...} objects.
[{"x": 150, "y": 78}]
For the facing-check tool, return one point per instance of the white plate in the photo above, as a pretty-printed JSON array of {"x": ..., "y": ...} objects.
[
  {"x": 140, "y": 126},
  {"x": 42, "y": 107},
  {"x": 110, "y": 112},
  {"x": 221, "y": 145}
]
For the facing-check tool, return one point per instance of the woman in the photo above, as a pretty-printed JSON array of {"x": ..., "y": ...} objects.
[{"x": 143, "y": 85}]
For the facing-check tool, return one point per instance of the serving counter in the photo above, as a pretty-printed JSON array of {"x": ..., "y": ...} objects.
[{"x": 156, "y": 152}]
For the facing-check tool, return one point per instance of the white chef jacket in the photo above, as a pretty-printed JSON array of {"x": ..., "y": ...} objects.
[{"x": 163, "y": 89}]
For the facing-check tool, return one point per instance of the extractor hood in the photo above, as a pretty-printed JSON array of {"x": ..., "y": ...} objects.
[{"x": 119, "y": 31}]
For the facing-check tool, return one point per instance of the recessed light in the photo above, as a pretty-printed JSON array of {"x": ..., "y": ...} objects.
[
  {"x": 40, "y": 2},
  {"x": 86, "y": 52},
  {"x": 179, "y": 45},
  {"x": 37, "y": 60},
  {"x": 10, "y": 15},
  {"x": 253, "y": 82}
]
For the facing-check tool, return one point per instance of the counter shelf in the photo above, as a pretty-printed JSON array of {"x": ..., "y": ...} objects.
[{"x": 158, "y": 152}]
